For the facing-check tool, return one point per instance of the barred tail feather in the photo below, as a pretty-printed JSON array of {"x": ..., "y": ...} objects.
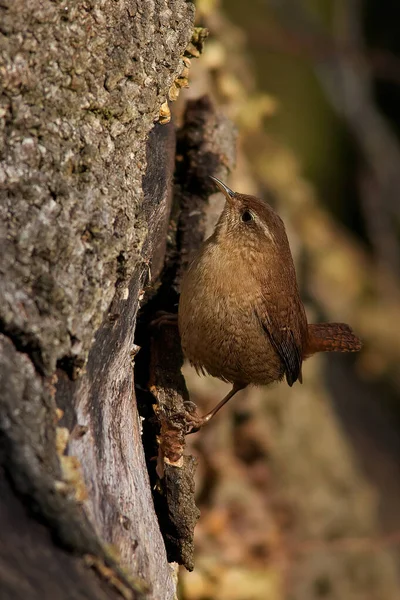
[{"x": 331, "y": 337}]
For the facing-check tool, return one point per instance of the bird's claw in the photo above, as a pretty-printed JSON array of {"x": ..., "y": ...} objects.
[{"x": 193, "y": 421}]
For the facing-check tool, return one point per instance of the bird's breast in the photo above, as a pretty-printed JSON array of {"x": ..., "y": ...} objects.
[{"x": 219, "y": 328}]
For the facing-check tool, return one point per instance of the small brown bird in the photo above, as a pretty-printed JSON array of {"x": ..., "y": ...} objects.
[{"x": 240, "y": 315}]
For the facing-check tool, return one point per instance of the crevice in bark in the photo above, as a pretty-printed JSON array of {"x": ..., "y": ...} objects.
[
  {"x": 24, "y": 342},
  {"x": 205, "y": 146},
  {"x": 169, "y": 491}
]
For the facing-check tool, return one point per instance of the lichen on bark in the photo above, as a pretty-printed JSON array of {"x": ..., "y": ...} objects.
[{"x": 81, "y": 86}]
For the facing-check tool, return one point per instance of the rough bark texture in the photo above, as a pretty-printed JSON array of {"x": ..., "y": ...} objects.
[
  {"x": 120, "y": 502},
  {"x": 25, "y": 542},
  {"x": 83, "y": 217},
  {"x": 81, "y": 86}
]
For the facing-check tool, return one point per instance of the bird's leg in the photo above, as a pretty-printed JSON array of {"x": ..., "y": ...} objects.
[
  {"x": 236, "y": 388},
  {"x": 195, "y": 423}
]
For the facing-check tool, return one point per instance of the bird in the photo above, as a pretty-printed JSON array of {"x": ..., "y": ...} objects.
[{"x": 240, "y": 315}]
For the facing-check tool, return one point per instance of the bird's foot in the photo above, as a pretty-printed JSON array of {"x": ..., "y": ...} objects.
[{"x": 194, "y": 421}]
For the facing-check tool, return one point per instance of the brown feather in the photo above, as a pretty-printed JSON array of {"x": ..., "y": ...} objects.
[
  {"x": 286, "y": 341},
  {"x": 331, "y": 337},
  {"x": 281, "y": 310}
]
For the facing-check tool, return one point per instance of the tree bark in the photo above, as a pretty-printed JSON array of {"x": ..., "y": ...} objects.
[{"x": 83, "y": 227}]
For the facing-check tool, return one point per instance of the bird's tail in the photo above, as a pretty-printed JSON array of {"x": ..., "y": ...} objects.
[{"x": 331, "y": 337}]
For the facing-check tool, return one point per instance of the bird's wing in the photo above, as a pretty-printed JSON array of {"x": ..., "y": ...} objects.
[{"x": 284, "y": 331}]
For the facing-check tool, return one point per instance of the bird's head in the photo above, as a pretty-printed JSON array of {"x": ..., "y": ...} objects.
[{"x": 249, "y": 218}]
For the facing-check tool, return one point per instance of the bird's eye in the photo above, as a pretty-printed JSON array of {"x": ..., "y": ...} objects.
[{"x": 247, "y": 216}]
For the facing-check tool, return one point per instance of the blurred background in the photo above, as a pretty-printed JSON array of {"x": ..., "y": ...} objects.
[{"x": 299, "y": 488}]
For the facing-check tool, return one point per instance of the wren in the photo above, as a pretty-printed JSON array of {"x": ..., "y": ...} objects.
[{"x": 240, "y": 314}]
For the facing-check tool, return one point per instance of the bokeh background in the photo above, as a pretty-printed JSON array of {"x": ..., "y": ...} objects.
[{"x": 299, "y": 488}]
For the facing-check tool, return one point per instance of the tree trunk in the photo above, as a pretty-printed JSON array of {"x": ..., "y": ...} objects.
[{"x": 83, "y": 228}]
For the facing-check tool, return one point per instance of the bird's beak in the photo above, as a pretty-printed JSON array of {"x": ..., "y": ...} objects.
[{"x": 228, "y": 193}]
